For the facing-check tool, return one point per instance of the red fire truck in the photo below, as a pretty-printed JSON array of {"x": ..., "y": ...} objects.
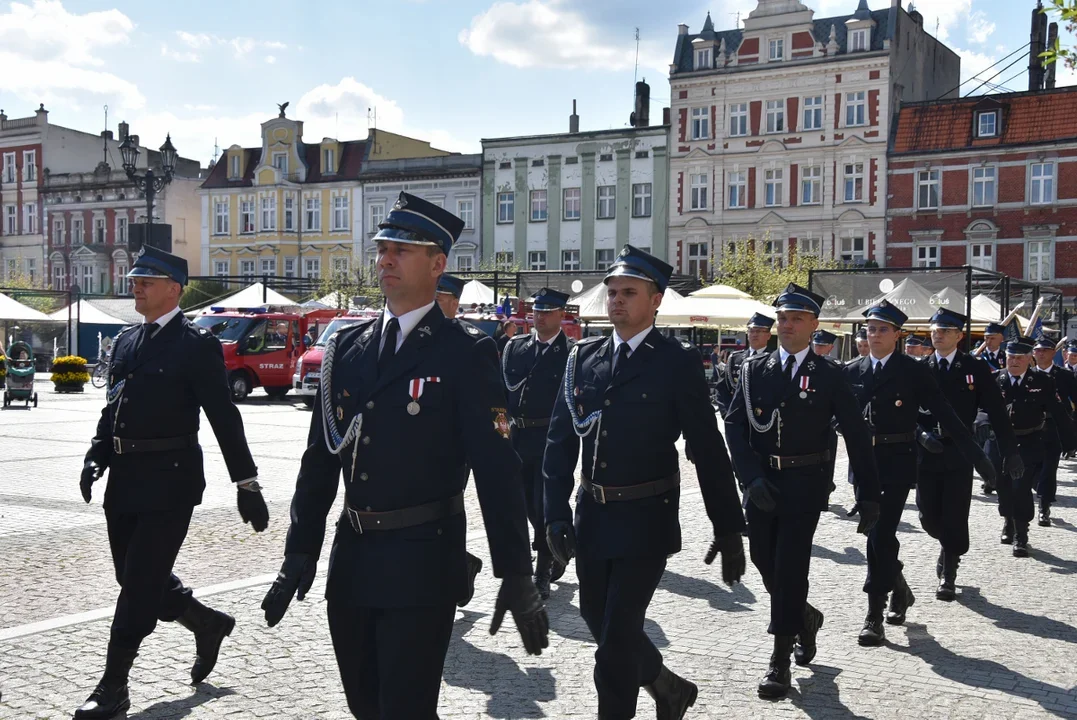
[
  {"x": 308, "y": 372},
  {"x": 523, "y": 317},
  {"x": 262, "y": 345}
]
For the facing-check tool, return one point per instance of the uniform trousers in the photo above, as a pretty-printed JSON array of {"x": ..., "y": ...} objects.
[
  {"x": 531, "y": 472},
  {"x": 994, "y": 453},
  {"x": 1015, "y": 501},
  {"x": 883, "y": 545},
  {"x": 391, "y": 659},
  {"x": 1047, "y": 482},
  {"x": 944, "y": 497},
  {"x": 781, "y": 546},
  {"x": 614, "y": 595},
  {"x": 144, "y": 548}
]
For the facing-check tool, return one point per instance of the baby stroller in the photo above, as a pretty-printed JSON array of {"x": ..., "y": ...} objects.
[{"x": 19, "y": 383}]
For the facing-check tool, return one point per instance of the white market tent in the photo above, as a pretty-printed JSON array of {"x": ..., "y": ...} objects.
[
  {"x": 592, "y": 303},
  {"x": 725, "y": 292},
  {"x": 712, "y": 312},
  {"x": 255, "y": 295},
  {"x": 14, "y": 311},
  {"x": 475, "y": 293},
  {"x": 86, "y": 313}
]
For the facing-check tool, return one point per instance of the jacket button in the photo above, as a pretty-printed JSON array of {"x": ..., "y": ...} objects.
[
  {"x": 439, "y": 531},
  {"x": 606, "y": 403},
  {"x": 603, "y": 433},
  {"x": 366, "y": 440},
  {"x": 644, "y": 396},
  {"x": 364, "y": 477},
  {"x": 175, "y": 464},
  {"x": 369, "y": 404},
  {"x": 783, "y": 405},
  {"x": 126, "y": 399},
  {"x": 130, "y": 376},
  {"x": 666, "y": 501},
  {"x": 602, "y": 464},
  {"x": 368, "y": 508},
  {"x": 123, "y": 425}
]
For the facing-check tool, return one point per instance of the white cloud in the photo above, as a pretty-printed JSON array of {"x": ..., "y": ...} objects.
[
  {"x": 270, "y": 59},
  {"x": 196, "y": 41},
  {"x": 199, "y": 43},
  {"x": 544, "y": 33},
  {"x": 184, "y": 56},
  {"x": 979, "y": 27}
]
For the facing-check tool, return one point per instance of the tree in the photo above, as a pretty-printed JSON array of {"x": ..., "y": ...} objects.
[
  {"x": 345, "y": 285},
  {"x": 200, "y": 292},
  {"x": 1067, "y": 14},
  {"x": 744, "y": 267},
  {"x": 21, "y": 281}
]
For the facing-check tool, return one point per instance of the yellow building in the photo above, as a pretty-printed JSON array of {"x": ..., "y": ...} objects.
[{"x": 290, "y": 208}]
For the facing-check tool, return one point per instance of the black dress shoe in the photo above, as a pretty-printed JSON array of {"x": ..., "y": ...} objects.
[
  {"x": 673, "y": 695},
  {"x": 210, "y": 628},
  {"x": 987, "y": 489},
  {"x": 1045, "y": 515},
  {"x": 474, "y": 566},
  {"x": 557, "y": 570},
  {"x": 1006, "y": 538},
  {"x": 873, "y": 633},
  {"x": 110, "y": 697},
  {"x": 775, "y": 684},
  {"x": 805, "y": 649},
  {"x": 1020, "y": 548},
  {"x": 900, "y": 601},
  {"x": 947, "y": 590}
]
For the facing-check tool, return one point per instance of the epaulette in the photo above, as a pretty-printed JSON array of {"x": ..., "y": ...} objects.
[
  {"x": 590, "y": 340},
  {"x": 687, "y": 344},
  {"x": 519, "y": 337},
  {"x": 754, "y": 358},
  {"x": 468, "y": 329},
  {"x": 125, "y": 330}
]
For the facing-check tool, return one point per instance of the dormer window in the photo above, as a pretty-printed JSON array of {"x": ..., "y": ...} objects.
[
  {"x": 280, "y": 161},
  {"x": 329, "y": 161},
  {"x": 987, "y": 124},
  {"x": 703, "y": 59},
  {"x": 859, "y": 40},
  {"x": 777, "y": 50},
  {"x": 235, "y": 166}
]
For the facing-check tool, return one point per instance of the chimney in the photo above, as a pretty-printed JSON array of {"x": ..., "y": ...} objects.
[
  {"x": 125, "y": 129},
  {"x": 573, "y": 119},
  {"x": 916, "y": 17},
  {"x": 665, "y": 116},
  {"x": 1052, "y": 38},
  {"x": 682, "y": 29},
  {"x": 1037, "y": 38},
  {"x": 42, "y": 114},
  {"x": 134, "y": 139},
  {"x": 106, "y": 134},
  {"x": 641, "y": 117}
]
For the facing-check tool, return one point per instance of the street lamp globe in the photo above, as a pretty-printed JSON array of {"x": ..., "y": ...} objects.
[
  {"x": 168, "y": 156},
  {"x": 129, "y": 152}
]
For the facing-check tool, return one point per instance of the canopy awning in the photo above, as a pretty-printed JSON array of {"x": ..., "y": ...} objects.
[
  {"x": 14, "y": 311},
  {"x": 711, "y": 312},
  {"x": 84, "y": 312},
  {"x": 592, "y": 303},
  {"x": 255, "y": 295},
  {"x": 726, "y": 292},
  {"x": 475, "y": 293}
]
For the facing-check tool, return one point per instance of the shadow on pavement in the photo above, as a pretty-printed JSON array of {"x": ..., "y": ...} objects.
[
  {"x": 1060, "y": 566},
  {"x": 182, "y": 707},
  {"x": 841, "y": 512},
  {"x": 819, "y": 696},
  {"x": 732, "y": 600},
  {"x": 1010, "y": 619},
  {"x": 1062, "y": 524},
  {"x": 979, "y": 673},
  {"x": 850, "y": 556},
  {"x": 512, "y": 691}
]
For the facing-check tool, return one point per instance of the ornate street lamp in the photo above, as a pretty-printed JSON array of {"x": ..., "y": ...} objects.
[{"x": 150, "y": 183}]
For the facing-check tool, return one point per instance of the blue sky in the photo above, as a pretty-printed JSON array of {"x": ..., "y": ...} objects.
[{"x": 450, "y": 71}]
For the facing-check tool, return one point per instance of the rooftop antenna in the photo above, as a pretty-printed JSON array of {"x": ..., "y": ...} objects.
[
  {"x": 216, "y": 150},
  {"x": 104, "y": 139},
  {"x": 737, "y": 14},
  {"x": 635, "y": 72}
]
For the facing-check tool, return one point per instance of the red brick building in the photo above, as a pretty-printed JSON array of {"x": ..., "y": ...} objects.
[{"x": 988, "y": 181}]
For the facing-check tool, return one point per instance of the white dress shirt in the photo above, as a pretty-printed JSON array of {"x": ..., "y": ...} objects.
[
  {"x": 879, "y": 363},
  {"x": 949, "y": 358},
  {"x": 407, "y": 322},
  {"x": 633, "y": 342},
  {"x": 164, "y": 320},
  {"x": 783, "y": 354}
]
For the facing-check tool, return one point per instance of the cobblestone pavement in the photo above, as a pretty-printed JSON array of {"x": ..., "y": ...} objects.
[{"x": 1005, "y": 649}]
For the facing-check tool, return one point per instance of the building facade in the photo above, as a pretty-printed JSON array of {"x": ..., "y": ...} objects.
[
  {"x": 570, "y": 201},
  {"x": 987, "y": 181},
  {"x": 780, "y": 130}
]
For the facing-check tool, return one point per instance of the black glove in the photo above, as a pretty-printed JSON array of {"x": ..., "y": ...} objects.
[
  {"x": 929, "y": 441},
  {"x": 986, "y": 469},
  {"x": 733, "y": 563},
  {"x": 295, "y": 578},
  {"x": 90, "y": 474},
  {"x": 252, "y": 507},
  {"x": 562, "y": 540},
  {"x": 1013, "y": 466},
  {"x": 519, "y": 596},
  {"x": 869, "y": 515},
  {"x": 762, "y": 493}
]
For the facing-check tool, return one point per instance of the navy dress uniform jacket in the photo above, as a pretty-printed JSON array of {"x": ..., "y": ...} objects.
[
  {"x": 903, "y": 386},
  {"x": 1029, "y": 404},
  {"x": 537, "y": 381},
  {"x": 727, "y": 383},
  {"x": 805, "y": 429},
  {"x": 167, "y": 380},
  {"x": 660, "y": 393},
  {"x": 405, "y": 460}
]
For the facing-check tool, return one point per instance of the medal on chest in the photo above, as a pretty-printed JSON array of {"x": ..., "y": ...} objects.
[
  {"x": 415, "y": 391},
  {"x": 968, "y": 379},
  {"x": 805, "y": 387}
]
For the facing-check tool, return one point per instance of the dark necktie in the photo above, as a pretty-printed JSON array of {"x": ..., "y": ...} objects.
[
  {"x": 622, "y": 358},
  {"x": 944, "y": 365},
  {"x": 540, "y": 348},
  {"x": 388, "y": 351},
  {"x": 790, "y": 363}
]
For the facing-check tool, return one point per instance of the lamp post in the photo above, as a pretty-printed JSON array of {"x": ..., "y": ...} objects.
[{"x": 149, "y": 182}]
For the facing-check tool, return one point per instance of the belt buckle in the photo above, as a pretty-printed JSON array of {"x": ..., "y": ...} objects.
[
  {"x": 598, "y": 493},
  {"x": 117, "y": 445},
  {"x": 353, "y": 516},
  {"x": 776, "y": 462}
]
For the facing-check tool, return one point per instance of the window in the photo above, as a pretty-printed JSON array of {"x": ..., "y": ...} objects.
[
  {"x": 87, "y": 278},
  {"x": 12, "y": 268},
  {"x": 701, "y": 123},
  {"x": 504, "y": 260},
  {"x": 738, "y": 189},
  {"x": 536, "y": 260},
  {"x": 505, "y": 165},
  {"x": 987, "y": 124},
  {"x": 289, "y": 267},
  {"x": 269, "y": 213},
  {"x": 246, "y": 270},
  {"x": 220, "y": 268},
  {"x": 605, "y": 157},
  {"x": 121, "y": 231},
  {"x": 570, "y": 198},
  {"x": 76, "y": 231},
  {"x": 121, "y": 279},
  {"x": 570, "y": 259},
  {"x": 643, "y": 154},
  {"x": 703, "y": 59},
  {"x": 29, "y": 165},
  {"x": 220, "y": 217},
  {"x": 927, "y": 256},
  {"x": 572, "y": 160},
  {"x": 329, "y": 161},
  {"x": 738, "y": 119},
  {"x": 777, "y": 50},
  {"x": 30, "y": 221},
  {"x": 312, "y": 268},
  {"x": 340, "y": 212},
  {"x": 11, "y": 220},
  {"x": 772, "y": 186},
  {"x": 99, "y": 230},
  {"x": 57, "y": 232},
  {"x": 289, "y": 212},
  {"x": 465, "y": 210},
  {"x": 246, "y": 216},
  {"x": 1042, "y": 186},
  {"x": 603, "y": 259},
  {"x": 538, "y": 206},
  {"x": 983, "y": 186},
  {"x": 641, "y": 200},
  {"x": 982, "y": 255},
  {"x": 1039, "y": 260},
  {"x": 813, "y": 113},
  {"x": 464, "y": 263},
  {"x": 698, "y": 257},
  {"x": 505, "y": 207},
  {"x": 31, "y": 270},
  {"x": 268, "y": 266},
  {"x": 58, "y": 278},
  {"x": 377, "y": 216},
  {"x": 772, "y": 253},
  {"x": 280, "y": 161},
  {"x": 858, "y": 40},
  {"x": 854, "y": 109},
  {"x": 341, "y": 267},
  {"x": 852, "y": 250},
  {"x": 607, "y": 195},
  {"x": 927, "y": 189},
  {"x": 700, "y": 190},
  {"x": 235, "y": 166},
  {"x": 854, "y": 182},
  {"x": 811, "y": 185},
  {"x": 313, "y": 215},
  {"x": 9, "y": 167},
  {"x": 810, "y": 246},
  {"x": 775, "y": 116}
]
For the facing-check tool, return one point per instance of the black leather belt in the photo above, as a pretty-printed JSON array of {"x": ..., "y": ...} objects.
[
  {"x": 610, "y": 493},
  {"x": 895, "y": 438},
  {"x": 366, "y": 521},
  {"x": 1028, "y": 431},
  {"x": 786, "y": 462},
  {"x": 123, "y": 446},
  {"x": 525, "y": 423}
]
